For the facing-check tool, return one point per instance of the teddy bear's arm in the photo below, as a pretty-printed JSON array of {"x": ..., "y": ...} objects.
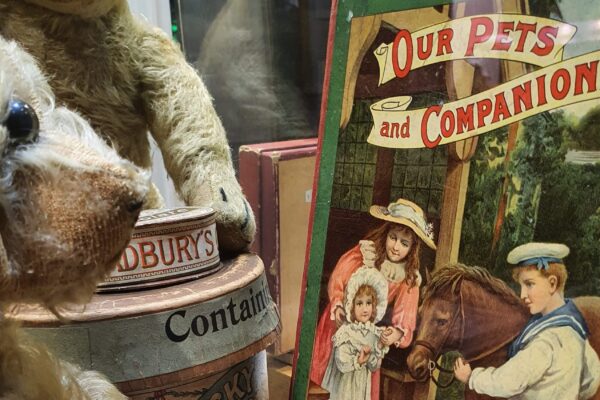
[{"x": 187, "y": 129}]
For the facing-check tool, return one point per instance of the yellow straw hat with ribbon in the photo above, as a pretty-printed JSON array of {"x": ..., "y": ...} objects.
[{"x": 407, "y": 213}]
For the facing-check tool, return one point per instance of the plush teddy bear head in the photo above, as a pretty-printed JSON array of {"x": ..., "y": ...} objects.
[{"x": 68, "y": 202}]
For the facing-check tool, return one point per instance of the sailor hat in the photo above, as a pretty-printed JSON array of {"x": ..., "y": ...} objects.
[{"x": 539, "y": 254}]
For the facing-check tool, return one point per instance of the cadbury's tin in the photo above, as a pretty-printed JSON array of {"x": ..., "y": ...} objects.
[{"x": 167, "y": 246}]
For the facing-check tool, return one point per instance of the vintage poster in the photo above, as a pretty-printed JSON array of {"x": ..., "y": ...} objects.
[{"x": 455, "y": 238}]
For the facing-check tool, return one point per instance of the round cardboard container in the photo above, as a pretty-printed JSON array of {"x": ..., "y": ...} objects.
[
  {"x": 167, "y": 246},
  {"x": 202, "y": 337}
]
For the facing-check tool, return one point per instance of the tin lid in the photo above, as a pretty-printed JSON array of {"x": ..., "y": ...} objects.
[
  {"x": 236, "y": 274},
  {"x": 168, "y": 246},
  {"x": 161, "y": 216}
]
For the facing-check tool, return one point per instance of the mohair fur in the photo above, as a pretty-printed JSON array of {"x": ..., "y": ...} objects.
[
  {"x": 128, "y": 78},
  {"x": 68, "y": 204}
]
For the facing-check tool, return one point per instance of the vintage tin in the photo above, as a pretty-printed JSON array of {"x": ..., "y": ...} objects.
[
  {"x": 245, "y": 380},
  {"x": 196, "y": 338},
  {"x": 167, "y": 246}
]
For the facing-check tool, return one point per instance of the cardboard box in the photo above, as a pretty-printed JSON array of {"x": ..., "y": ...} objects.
[{"x": 277, "y": 179}]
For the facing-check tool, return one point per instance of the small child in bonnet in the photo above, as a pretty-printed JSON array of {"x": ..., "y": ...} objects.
[{"x": 357, "y": 345}]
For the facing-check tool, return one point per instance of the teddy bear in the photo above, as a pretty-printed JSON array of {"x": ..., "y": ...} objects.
[
  {"x": 128, "y": 78},
  {"x": 68, "y": 205}
]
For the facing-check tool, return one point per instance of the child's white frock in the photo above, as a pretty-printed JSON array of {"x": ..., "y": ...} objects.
[{"x": 345, "y": 378}]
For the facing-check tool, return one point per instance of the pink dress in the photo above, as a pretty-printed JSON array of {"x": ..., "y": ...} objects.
[{"x": 404, "y": 316}]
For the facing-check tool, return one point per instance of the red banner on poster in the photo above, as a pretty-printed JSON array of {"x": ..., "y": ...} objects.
[
  {"x": 566, "y": 82},
  {"x": 523, "y": 38}
]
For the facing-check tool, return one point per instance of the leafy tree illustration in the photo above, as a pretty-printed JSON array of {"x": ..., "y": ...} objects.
[
  {"x": 569, "y": 214},
  {"x": 485, "y": 183},
  {"x": 539, "y": 153},
  {"x": 569, "y": 207},
  {"x": 586, "y": 134}
]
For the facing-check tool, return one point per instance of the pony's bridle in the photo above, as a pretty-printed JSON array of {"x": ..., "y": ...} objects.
[{"x": 432, "y": 365}]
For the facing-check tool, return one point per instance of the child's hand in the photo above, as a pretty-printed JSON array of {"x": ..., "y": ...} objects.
[
  {"x": 462, "y": 370},
  {"x": 363, "y": 356},
  {"x": 340, "y": 316},
  {"x": 391, "y": 335}
]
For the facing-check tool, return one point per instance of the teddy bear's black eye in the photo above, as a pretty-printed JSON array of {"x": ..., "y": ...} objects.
[{"x": 22, "y": 122}]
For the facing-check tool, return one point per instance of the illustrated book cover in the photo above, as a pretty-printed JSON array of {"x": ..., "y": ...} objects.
[{"x": 454, "y": 245}]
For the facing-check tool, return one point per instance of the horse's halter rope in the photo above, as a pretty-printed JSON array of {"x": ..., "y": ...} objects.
[
  {"x": 433, "y": 364},
  {"x": 428, "y": 345}
]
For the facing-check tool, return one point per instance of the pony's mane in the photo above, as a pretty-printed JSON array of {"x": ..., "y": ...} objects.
[{"x": 449, "y": 277}]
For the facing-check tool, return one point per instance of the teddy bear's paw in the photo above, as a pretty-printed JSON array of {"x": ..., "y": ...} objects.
[{"x": 235, "y": 222}]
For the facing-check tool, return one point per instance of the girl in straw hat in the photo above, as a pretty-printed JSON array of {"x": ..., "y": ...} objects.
[
  {"x": 358, "y": 346},
  {"x": 393, "y": 248}
]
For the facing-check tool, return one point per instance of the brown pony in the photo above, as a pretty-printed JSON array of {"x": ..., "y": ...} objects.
[{"x": 468, "y": 310}]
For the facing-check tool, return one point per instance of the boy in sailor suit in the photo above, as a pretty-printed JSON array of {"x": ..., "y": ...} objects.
[{"x": 551, "y": 358}]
